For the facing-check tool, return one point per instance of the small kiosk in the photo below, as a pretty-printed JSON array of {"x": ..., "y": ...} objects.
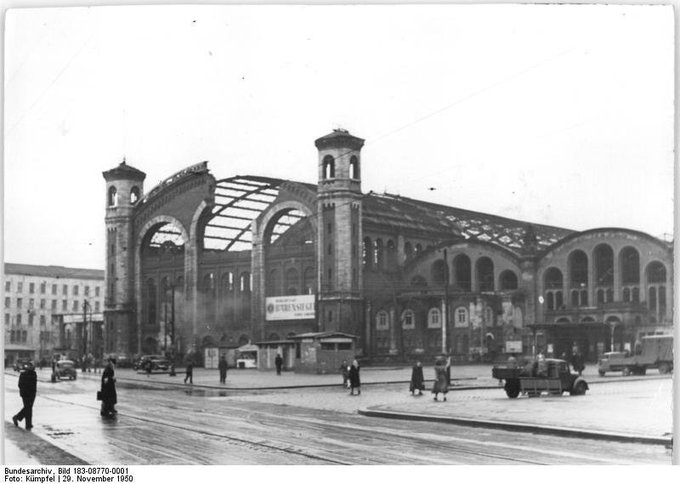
[
  {"x": 309, "y": 352},
  {"x": 246, "y": 356}
]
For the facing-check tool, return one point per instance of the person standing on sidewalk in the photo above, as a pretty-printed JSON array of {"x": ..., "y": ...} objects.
[
  {"x": 440, "y": 385},
  {"x": 223, "y": 370},
  {"x": 354, "y": 380},
  {"x": 344, "y": 370},
  {"x": 417, "y": 379},
  {"x": 108, "y": 391},
  {"x": 278, "y": 361},
  {"x": 28, "y": 382},
  {"x": 189, "y": 373}
]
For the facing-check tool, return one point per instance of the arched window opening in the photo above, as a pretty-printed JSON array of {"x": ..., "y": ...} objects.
[
  {"x": 584, "y": 298},
  {"x": 134, "y": 195},
  {"x": 553, "y": 278},
  {"x": 508, "y": 281},
  {"x": 379, "y": 259},
  {"x": 600, "y": 296},
  {"x": 656, "y": 273},
  {"x": 368, "y": 252},
  {"x": 574, "y": 298},
  {"x": 382, "y": 322},
  {"x": 391, "y": 256},
  {"x": 578, "y": 268},
  {"x": 439, "y": 273},
  {"x": 244, "y": 282},
  {"x": 309, "y": 280},
  {"x": 243, "y": 340},
  {"x": 112, "y": 197},
  {"x": 408, "y": 319},
  {"x": 461, "y": 317},
  {"x": 418, "y": 281},
  {"x": 604, "y": 265},
  {"x": 550, "y": 301},
  {"x": 328, "y": 167},
  {"x": 292, "y": 282},
  {"x": 228, "y": 282},
  {"x": 408, "y": 250},
  {"x": 662, "y": 299},
  {"x": 434, "y": 318},
  {"x": 164, "y": 239},
  {"x": 630, "y": 266},
  {"x": 462, "y": 268},
  {"x": 626, "y": 294},
  {"x": 610, "y": 295},
  {"x": 485, "y": 277},
  {"x": 273, "y": 283},
  {"x": 354, "y": 168},
  {"x": 652, "y": 298},
  {"x": 636, "y": 294},
  {"x": 558, "y": 300}
]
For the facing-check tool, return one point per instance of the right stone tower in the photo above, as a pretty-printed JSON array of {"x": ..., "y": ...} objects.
[{"x": 340, "y": 306}]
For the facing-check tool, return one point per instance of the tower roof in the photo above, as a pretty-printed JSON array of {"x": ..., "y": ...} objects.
[
  {"x": 339, "y": 138},
  {"x": 124, "y": 172}
]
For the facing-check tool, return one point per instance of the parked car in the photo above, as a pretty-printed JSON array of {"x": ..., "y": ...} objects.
[
  {"x": 21, "y": 363},
  {"x": 65, "y": 369},
  {"x": 158, "y": 362},
  {"x": 531, "y": 380},
  {"x": 611, "y": 361}
]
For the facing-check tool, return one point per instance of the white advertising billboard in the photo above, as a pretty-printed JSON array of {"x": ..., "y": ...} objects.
[{"x": 290, "y": 307}]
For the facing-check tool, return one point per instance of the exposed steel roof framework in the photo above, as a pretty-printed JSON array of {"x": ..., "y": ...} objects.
[{"x": 238, "y": 201}]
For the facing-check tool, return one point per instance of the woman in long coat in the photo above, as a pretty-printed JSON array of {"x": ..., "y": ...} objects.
[
  {"x": 440, "y": 385},
  {"x": 417, "y": 379},
  {"x": 108, "y": 391},
  {"x": 354, "y": 380}
]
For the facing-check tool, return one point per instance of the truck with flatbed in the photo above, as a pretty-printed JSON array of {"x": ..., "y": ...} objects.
[{"x": 551, "y": 376}]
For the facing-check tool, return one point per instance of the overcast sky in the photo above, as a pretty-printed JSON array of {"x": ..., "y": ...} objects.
[{"x": 560, "y": 115}]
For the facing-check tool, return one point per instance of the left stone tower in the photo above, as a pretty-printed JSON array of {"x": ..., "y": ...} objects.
[{"x": 124, "y": 189}]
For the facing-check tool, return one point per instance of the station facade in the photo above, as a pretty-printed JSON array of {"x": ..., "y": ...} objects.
[{"x": 199, "y": 261}]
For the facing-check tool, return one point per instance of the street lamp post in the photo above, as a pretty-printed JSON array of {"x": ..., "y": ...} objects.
[{"x": 445, "y": 312}]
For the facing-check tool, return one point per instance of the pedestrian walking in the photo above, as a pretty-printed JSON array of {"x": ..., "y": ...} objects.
[
  {"x": 417, "y": 379},
  {"x": 344, "y": 370},
  {"x": 577, "y": 361},
  {"x": 148, "y": 366},
  {"x": 278, "y": 361},
  {"x": 189, "y": 374},
  {"x": 28, "y": 382},
  {"x": 107, "y": 393},
  {"x": 354, "y": 380},
  {"x": 440, "y": 385},
  {"x": 223, "y": 369}
]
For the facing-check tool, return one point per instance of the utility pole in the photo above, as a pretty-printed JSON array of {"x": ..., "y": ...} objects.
[{"x": 445, "y": 312}]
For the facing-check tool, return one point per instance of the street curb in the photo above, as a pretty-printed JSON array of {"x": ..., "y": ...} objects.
[{"x": 519, "y": 427}]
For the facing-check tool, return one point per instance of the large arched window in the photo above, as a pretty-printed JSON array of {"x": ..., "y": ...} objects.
[
  {"x": 439, "y": 272},
  {"x": 354, "y": 168},
  {"x": 578, "y": 268},
  {"x": 368, "y": 252},
  {"x": 508, "y": 281},
  {"x": 630, "y": 266},
  {"x": 656, "y": 273},
  {"x": 382, "y": 321},
  {"x": 112, "y": 197},
  {"x": 604, "y": 265},
  {"x": 408, "y": 319},
  {"x": 274, "y": 283},
  {"x": 461, "y": 317},
  {"x": 328, "y": 167},
  {"x": 134, "y": 195},
  {"x": 379, "y": 255},
  {"x": 292, "y": 282},
  {"x": 485, "y": 277},
  {"x": 434, "y": 318},
  {"x": 462, "y": 269},
  {"x": 553, "y": 278}
]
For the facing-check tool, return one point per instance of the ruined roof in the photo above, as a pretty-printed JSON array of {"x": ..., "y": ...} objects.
[
  {"x": 240, "y": 199},
  {"x": 421, "y": 216}
]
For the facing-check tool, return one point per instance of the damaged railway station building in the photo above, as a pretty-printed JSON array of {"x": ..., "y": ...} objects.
[{"x": 201, "y": 262}]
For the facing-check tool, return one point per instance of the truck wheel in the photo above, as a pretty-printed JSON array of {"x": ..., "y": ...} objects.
[
  {"x": 579, "y": 389},
  {"x": 664, "y": 368},
  {"x": 512, "y": 388},
  {"x": 601, "y": 372},
  {"x": 625, "y": 371}
]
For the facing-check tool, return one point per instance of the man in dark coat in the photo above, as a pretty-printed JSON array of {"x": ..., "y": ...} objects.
[
  {"x": 108, "y": 391},
  {"x": 417, "y": 379},
  {"x": 354, "y": 380},
  {"x": 189, "y": 372},
  {"x": 28, "y": 381},
  {"x": 278, "y": 361},
  {"x": 223, "y": 370},
  {"x": 440, "y": 385}
]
